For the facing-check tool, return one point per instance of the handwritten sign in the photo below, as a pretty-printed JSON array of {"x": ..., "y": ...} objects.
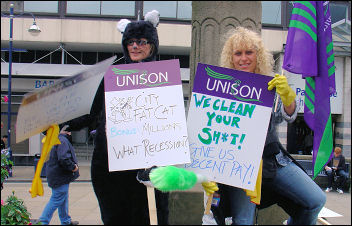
[
  {"x": 67, "y": 99},
  {"x": 145, "y": 116},
  {"x": 227, "y": 123}
]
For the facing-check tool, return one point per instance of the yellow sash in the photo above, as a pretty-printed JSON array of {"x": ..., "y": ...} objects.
[
  {"x": 256, "y": 194},
  {"x": 51, "y": 139}
]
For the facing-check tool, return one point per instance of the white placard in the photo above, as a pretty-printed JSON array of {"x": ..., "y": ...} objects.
[
  {"x": 227, "y": 121},
  {"x": 234, "y": 159},
  {"x": 145, "y": 127},
  {"x": 69, "y": 98},
  {"x": 325, "y": 212}
]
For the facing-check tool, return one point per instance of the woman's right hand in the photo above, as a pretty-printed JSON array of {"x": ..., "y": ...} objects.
[{"x": 286, "y": 93}]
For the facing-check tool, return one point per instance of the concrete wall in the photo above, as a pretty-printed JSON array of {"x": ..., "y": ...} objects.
[
  {"x": 343, "y": 124},
  {"x": 95, "y": 35}
]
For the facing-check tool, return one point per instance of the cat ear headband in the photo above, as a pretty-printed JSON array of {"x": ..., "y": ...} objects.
[{"x": 152, "y": 17}]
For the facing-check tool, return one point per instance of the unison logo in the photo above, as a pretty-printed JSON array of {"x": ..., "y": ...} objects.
[
  {"x": 232, "y": 86},
  {"x": 135, "y": 77}
]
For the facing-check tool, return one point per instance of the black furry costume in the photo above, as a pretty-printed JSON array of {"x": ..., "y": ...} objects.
[{"x": 122, "y": 199}]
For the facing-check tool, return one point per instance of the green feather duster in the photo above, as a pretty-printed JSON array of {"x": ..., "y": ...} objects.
[{"x": 171, "y": 178}]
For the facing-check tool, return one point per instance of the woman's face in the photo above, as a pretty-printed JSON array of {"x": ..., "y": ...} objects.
[
  {"x": 138, "y": 49},
  {"x": 245, "y": 59}
]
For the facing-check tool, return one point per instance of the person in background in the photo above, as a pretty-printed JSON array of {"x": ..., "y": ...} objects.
[
  {"x": 61, "y": 170},
  {"x": 336, "y": 166},
  {"x": 3, "y": 142},
  {"x": 283, "y": 181}
]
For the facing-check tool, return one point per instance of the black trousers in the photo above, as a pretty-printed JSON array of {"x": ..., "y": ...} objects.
[{"x": 123, "y": 200}]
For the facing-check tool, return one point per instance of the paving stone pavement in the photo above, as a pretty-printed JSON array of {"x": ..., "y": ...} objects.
[{"x": 83, "y": 205}]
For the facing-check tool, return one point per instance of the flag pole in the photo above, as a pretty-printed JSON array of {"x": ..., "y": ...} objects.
[
  {"x": 153, "y": 218},
  {"x": 277, "y": 96},
  {"x": 209, "y": 202}
]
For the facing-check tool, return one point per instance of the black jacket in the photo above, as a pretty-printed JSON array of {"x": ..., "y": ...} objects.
[
  {"x": 61, "y": 163},
  {"x": 342, "y": 163}
]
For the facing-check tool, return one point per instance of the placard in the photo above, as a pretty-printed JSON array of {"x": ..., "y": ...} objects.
[
  {"x": 227, "y": 123},
  {"x": 69, "y": 98},
  {"x": 145, "y": 116}
]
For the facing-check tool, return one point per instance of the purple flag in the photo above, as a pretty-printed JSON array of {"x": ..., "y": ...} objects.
[{"x": 309, "y": 51}]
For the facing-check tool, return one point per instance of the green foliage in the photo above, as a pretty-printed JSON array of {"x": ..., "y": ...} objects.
[
  {"x": 5, "y": 162},
  {"x": 14, "y": 212}
]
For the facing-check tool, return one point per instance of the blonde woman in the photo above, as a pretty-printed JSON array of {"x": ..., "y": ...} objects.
[{"x": 283, "y": 182}]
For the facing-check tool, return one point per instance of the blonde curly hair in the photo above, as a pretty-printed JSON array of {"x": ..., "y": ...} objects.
[{"x": 242, "y": 38}]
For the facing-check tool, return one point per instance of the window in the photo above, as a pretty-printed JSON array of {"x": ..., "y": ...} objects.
[
  {"x": 83, "y": 7},
  {"x": 41, "y": 6},
  {"x": 119, "y": 59},
  {"x": 338, "y": 12},
  {"x": 86, "y": 58},
  {"x": 32, "y": 55},
  {"x": 121, "y": 8},
  {"x": 184, "y": 60},
  {"x": 181, "y": 10},
  {"x": 56, "y": 57},
  {"x": 89, "y": 58},
  {"x": 165, "y": 8},
  {"x": 271, "y": 12},
  {"x": 28, "y": 57},
  {"x": 109, "y": 8},
  {"x": 16, "y": 56},
  {"x": 70, "y": 60},
  {"x": 42, "y": 54},
  {"x": 166, "y": 57},
  {"x": 184, "y": 10},
  {"x": 17, "y": 6},
  {"x": 103, "y": 56}
]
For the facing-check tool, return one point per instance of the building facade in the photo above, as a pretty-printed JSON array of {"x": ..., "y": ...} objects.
[{"x": 75, "y": 34}]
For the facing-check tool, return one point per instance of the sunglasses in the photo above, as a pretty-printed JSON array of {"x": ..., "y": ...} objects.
[{"x": 137, "y": 41}]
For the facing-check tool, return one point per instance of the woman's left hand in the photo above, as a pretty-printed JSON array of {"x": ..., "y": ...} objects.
[{"x": 210, "y": 187}]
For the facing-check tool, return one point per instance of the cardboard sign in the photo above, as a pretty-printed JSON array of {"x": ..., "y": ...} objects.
[
  {"x": 68, "y": 98},
  {"x": 325, "y": 212},
  {"x": 145, "y": 116},
  {"x": 227, "y": 123}
]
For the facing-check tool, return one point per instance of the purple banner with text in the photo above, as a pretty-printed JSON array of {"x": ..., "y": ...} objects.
[
  {"x": 232, "y": 84},
  {"x": 142, "y": 75}
]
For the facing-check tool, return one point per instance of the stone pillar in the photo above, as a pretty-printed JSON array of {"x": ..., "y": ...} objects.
[{"x": 211, "y": 20}]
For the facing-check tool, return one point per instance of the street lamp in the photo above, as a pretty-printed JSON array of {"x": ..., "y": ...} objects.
[{"x": 33, "y": 29}]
